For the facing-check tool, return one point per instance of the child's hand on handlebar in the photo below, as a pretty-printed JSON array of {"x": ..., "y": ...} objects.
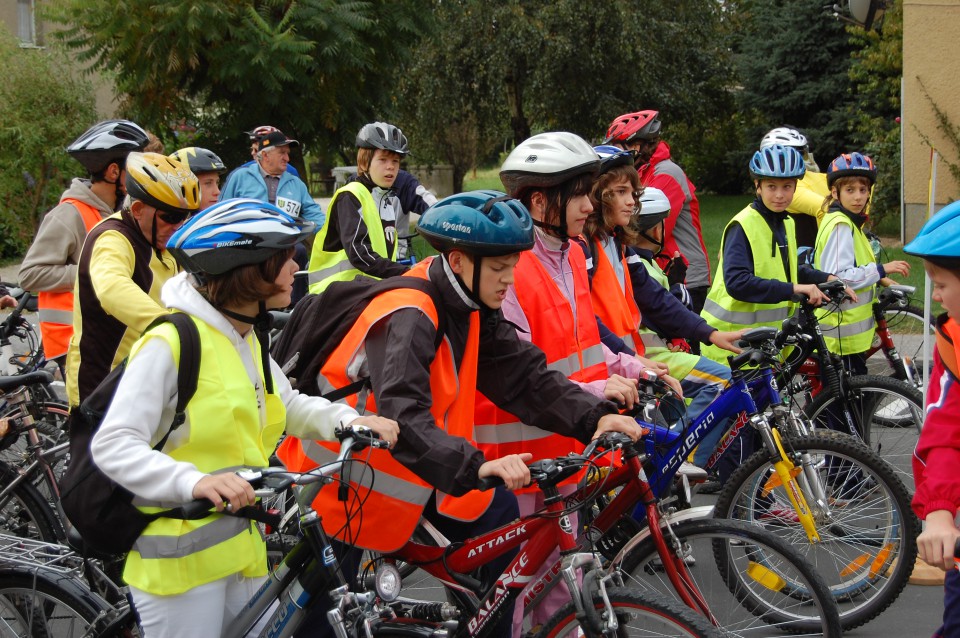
[
  {"x": 727, "y": 340},
  {"x": 386, "y": 429},
  {"x": 618, "y": 423},
  {"x": 511, "y": 469},
  {"x": 936, "y": 543},
  {"x": 814, "y": 295},
  {"x": 226, "y": 491},
  {"x": 7, "y": 301},
  {"x": 897, "y": 268},
  {"x": 621, "y": 390}
]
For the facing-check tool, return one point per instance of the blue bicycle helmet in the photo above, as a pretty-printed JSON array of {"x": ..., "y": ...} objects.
[
  {"x": 483, "y": 223},
  {"x": 940, "y": 236},
  {"x": 777, "y": 161},
  {"x": 611, "y": 157},
  {"x": 851, "y": 165},
  {"x": 234, "y": 233}
]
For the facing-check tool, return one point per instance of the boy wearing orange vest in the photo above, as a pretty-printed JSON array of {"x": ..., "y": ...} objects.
[
  {"x": 50, "y": 265},
  {"x": 434, "y": 468},
  {"x": 937, "y": 456}
]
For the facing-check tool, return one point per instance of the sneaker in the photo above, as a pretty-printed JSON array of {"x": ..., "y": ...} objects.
[
  {"x": 692, "y": 472},
  {"x": 779, "y": 515}
]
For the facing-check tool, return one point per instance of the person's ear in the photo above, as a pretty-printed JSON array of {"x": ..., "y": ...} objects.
[
  {"x": 112, "y": 173},
  {"x": 455, "y": 259},
  {"x": 136, "y": 209},
  {"x": 538, "y": 204}
]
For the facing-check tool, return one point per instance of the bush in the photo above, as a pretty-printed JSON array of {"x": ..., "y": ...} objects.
[{"x": 42, "y": 109}]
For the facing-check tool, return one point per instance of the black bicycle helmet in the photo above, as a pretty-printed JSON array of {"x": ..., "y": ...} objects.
[
  {"x": 200, "y": 160},
  {"x": 484, "y": 223},
  {"x": 384, "y": 136},
  {"x": 107, "y": 142}
]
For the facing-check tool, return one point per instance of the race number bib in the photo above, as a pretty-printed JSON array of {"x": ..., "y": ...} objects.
[{"x": 290, "y": 206}]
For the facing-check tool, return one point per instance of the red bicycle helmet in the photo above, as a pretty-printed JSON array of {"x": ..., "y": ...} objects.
[{"x": 642, "y": 125}]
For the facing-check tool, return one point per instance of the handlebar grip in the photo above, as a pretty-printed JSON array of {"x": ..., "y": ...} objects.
[
  {"x": 754, "y": 357},
  {"x": 489, "y": 482},
  {"x": 193, "y": 510}
]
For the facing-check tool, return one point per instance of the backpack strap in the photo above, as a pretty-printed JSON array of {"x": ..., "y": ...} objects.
[
  {"x": 188, "y": 370},
  {"x": 393, "y": 283}
]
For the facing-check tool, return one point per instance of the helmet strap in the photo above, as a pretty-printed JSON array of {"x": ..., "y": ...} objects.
[
  {"x": 558, "y": 231},
  {"x": 656, "y": 242},
  {"x": 261, "y": 323},
  {"x": 153, "y": 236}
]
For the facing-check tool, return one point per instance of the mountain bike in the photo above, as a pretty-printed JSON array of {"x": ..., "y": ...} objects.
[{"x": 725, "y": 587}]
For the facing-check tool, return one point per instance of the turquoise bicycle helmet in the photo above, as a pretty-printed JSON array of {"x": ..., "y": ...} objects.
[
  {"x": 851, "y": 165},
  {"x": 777, "y": 161},
  {"x": 233, "y": 233},
  {"x": 940, "y": 236},
  {"x": 484, "y": 223}
]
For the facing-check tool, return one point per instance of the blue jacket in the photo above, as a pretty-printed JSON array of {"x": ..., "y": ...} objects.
[{"x": 247, "y": 181}]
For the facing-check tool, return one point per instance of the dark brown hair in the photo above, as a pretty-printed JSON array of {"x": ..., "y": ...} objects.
[
  {"x": 558, "y": 196},
  {"x": 254, "y": 282}
]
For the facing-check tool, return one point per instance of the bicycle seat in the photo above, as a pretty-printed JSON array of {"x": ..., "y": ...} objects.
[
  {"x": 31, "y": 378},
  {"x": 757, "y": 336},
  {"x": 75, "y": 542}
]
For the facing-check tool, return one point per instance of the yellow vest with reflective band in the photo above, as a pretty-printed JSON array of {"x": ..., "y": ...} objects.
[
  {"x": 55, "y": 309},
  {"x": 222, "y": 433},
  {"x": 326, "y": 267},
  {"x": 725, "y": 313},
  {"x": 850, "y": 329},
  {"x": 681, "y": 363}
]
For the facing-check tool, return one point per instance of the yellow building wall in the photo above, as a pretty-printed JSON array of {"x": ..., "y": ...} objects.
[{"x": 931, "y": 56}]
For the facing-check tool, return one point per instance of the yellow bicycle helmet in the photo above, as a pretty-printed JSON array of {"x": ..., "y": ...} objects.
[{"x": 162, "y": 182}]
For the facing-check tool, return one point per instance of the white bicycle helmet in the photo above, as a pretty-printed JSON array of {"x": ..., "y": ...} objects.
[
  {"x": 546, "y": 160},
  {"x": 785, "y": 136},
  {"x": 107, "y": 142}
]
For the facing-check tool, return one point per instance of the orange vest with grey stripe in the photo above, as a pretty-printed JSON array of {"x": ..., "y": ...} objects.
[
  {"x": 615, "y": 305},
  {"x": 394, "y": 501},
  {"x": 55, "y": 309},
  {"x": 572, "y": 346}
]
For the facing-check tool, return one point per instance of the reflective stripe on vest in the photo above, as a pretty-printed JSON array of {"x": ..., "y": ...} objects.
[
  {"x": 614, "y": 302},
  {"x": 571, "y": 345},
  {"x": 225, "y": 429},
  {"x": 726, "y": 313},
  {"x": 849, "y": 329},
  {"x": 326, "y": 267},
  {"x": 55, "y": 309},
  {"x": 396, "y": 501}
]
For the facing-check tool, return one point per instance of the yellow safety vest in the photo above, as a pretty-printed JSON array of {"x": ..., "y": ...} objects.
[
  {"x": 850, "y": 329},
  {"x": 222, "y": 433},
  {"x": 326, "y": 267},
  {"x": 681, "y": 363},
  {"x": 726, "y": 313}
]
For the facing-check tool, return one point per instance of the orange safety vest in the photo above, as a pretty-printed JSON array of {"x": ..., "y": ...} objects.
[
  {"x": 948, "y": 343},
  {"x": 615, "y": 305},
  {"x": 572, "y": 345},
  {"x": 55, "y": 309},
  {"x": 392, "y": 508}
]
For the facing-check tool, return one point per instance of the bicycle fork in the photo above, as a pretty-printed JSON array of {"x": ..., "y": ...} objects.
[
  {"x": 594, "y": 582},
  {"x": 785, "y": 476}
]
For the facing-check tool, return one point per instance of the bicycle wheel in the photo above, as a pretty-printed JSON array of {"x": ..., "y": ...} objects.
[
  {"x": 38, "y": 604},
  {"x": 754, "y": 582},
  {"x": 868, "y": 533},
  {"x": 638, "y": 614},
  {"x": 888, "y": 414},
  {"x": 906, "y": 328},
  {"x": 25, "y": 512}
]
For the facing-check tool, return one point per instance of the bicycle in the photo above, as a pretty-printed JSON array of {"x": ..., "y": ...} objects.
[
  {"x": 745, "y": 556},
  {"x": 27, "y": 355},
  {"x": 887, "y": 413}
]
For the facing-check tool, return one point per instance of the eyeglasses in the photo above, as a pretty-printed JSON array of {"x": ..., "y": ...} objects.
[{"x": 173, "y": 218}]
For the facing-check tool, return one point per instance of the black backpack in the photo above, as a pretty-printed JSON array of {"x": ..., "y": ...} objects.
[
  {"x": 320, "y": 322},
  {"x": 99, "y": 509}
]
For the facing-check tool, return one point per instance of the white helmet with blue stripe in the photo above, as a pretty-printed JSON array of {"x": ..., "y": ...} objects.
[{"x": 234, "y": 233}]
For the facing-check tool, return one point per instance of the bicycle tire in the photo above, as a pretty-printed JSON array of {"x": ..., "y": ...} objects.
[
  {"x": 26, "y": 513},
  {"x": 888, "y": 414},
  {"x": 906, "y": 328},
  {"x": 42, "y": 604},
  {"x": 867, "y": 529},
  {"x": 752, "y": 580},
  {"x": 648, "y": 615}
]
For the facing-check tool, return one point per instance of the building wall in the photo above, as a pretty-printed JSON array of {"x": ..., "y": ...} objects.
[
  {"x": 931, "y": 31},
  {"x": 11, "y": 18}
]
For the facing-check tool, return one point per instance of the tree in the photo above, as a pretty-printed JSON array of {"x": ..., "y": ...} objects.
[
  {"x": 793, "y": 59},
  {"x": 876, "y": 73},
  {"x": 317, "y": 69},
  {"x": 35, "y": 168}
]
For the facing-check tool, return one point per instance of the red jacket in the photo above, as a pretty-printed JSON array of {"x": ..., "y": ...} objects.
[
  {"x": 937, "y": 456},
  {"x": 681, "y": 230}
]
